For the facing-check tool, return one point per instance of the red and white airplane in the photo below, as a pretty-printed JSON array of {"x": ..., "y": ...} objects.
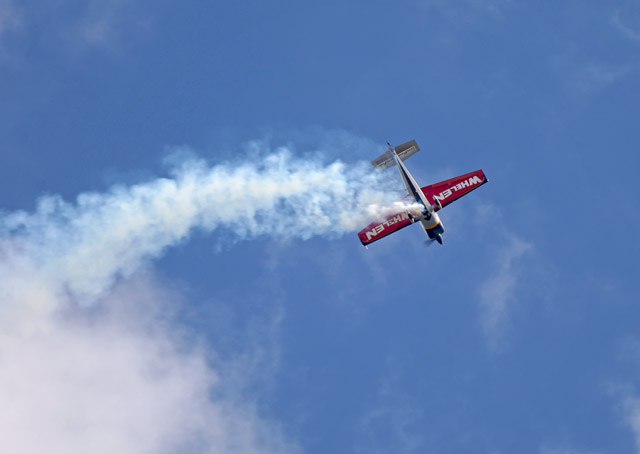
[{"x": 428, "y": 200}]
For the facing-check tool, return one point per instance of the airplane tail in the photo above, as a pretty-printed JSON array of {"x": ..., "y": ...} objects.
[{"x": 385, "y": 160}]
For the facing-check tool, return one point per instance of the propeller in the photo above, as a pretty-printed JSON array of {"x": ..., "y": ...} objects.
[{"x": 429, "y": 242}]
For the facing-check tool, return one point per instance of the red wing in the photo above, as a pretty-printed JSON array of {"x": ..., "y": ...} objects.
[
  {"x": 377, "y": 230},
  {"x": 450, "y": 190}
]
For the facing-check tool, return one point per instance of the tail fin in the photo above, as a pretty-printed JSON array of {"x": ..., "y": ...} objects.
[{"x": 403, "y": 151}]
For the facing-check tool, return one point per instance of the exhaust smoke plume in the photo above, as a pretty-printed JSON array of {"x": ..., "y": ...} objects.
[
  {"x": 121, "y": 381},
  {"x": 81, "y": 248}
]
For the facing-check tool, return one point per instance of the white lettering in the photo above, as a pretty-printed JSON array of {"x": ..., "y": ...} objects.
[
  {"x": 464, "y": 184},
  {"x": 374, "y": 231},
  {"x": 380, "y": 227}
]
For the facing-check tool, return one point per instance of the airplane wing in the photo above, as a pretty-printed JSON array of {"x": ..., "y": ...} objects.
[
  {"x": 445, "y": 191},
  {"x": 380, "y": 229},
  {"x": 452, "y": 189}
]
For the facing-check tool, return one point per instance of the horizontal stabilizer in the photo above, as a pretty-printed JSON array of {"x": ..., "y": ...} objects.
[{"x": 403, "y": 151}]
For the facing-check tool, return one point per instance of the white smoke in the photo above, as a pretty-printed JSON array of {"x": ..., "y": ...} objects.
[
  {"x": 123, "y": 380},
  {"x": 83, "y": 247}
]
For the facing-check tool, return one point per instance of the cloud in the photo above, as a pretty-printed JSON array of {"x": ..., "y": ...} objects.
[
  {"x": 624, "y": 391},
  {"x": 586, "y": 69},
  {"x": 121, "y": 378},
  {"x": 104, "y": 23},
  {"x": 630, "y": 403},
  {"x": 72, "y": 26},
  {"x": 595, "y": 76},
  {"x": 565, "y": 450},
  {"x": 498, "y": 291},
  {"x": 9, "y": 17},
  {"x": 588, "y": 75},
  {"x": 627, "y": 31},
  {"x": 465, "y": 11},
  {"x": 393, "y": 424}
]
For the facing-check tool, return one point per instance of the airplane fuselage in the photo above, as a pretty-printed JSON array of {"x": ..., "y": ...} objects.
[{"x": 425, "y": 213}]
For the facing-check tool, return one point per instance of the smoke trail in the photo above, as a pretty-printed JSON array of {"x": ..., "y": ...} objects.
[{"x": 81, "y": 248}]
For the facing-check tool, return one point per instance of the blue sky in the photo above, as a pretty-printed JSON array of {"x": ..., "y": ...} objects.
[{"x": 154, "y": 301}]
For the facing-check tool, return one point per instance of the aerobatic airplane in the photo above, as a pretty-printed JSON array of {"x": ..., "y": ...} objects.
[{"x": 428, "y": 200}]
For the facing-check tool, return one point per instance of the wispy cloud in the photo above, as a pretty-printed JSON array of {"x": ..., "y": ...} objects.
[
  {"x": 630, "y": 405},
  {"x": 595, "y": 76},
  {"x": 566, "y": 450},
  {"x": 498, "y": 292},
  {"x": 627, "y": 31},
  {"x": 624, "y": 390},
  {"x": 9, "y": 17},
  {"x": 393, "y": 424},
  {"x": 586, "y": 69},
  {"x": 588, "y": 75},
  {"x": 105, "y": 23},
  {"x": 465, "y": 11},
  {"x": 75, "y": 27}
]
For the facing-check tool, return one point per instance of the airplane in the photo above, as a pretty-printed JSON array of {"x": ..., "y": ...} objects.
[{"x": 427, "y": 200}]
